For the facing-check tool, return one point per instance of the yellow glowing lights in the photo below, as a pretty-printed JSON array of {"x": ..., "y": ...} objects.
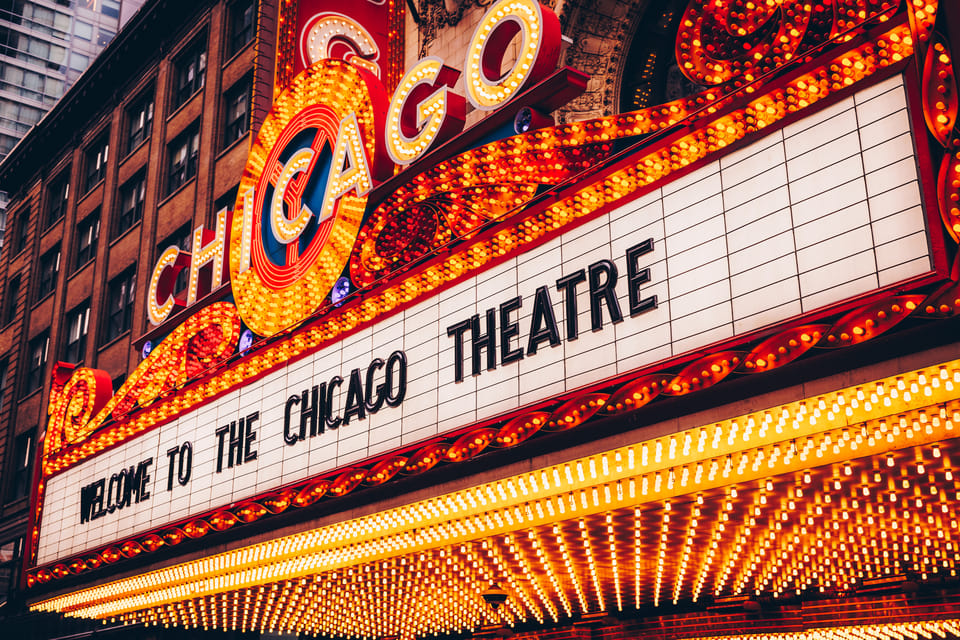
[
  {"x": 286, "y": 229},
  {"x": 625, "y": 526},
  {"x": 208, "y": 250},
  {"x": 159, "y": 311},
  {"x": 336, "y": 101},
  {"x": 320, "y": 36},
  {"x": 438, "y": 114},
  {"x": 486, "y": 85},
  {"x": 350, "y": 166}
]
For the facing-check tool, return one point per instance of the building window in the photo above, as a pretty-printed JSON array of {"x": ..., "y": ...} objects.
[
  {"x": 183, "y": 155},
  {"x": 96, "y": 163},
  {"x": 104, "y": 37},
  {"x": 78, "y": 61},
  {"x": 22, "y": 229},
  {"x": 110, "y": 8},
  {"x": 22, "y": 466},
  {"x": 88, "y": 231},
  {"x": 78, "y": 323},
  {"x": 47, "y": 271},
  {"x": 139, "y": 120},
  {"x": 4, "y": 379},
  {"x": 37, "y": 363},
  {"x": 236, "y": 112},
  {"x": 243, "y": 23},
  {"x": 121, "y": 295},
  {"x": 11, "y": 301},
  {"x": 57, "y": 196},
  {"x": 132, "y": 195},
  {"x": 189, "y": 70},
  {"x": 83, "y": 30},
  {"x": 11, "y": 557},
  {"x": 182, "y": 239}
]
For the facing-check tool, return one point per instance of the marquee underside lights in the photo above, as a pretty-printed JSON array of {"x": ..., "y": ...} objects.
[{"x": 774, "y": 502}]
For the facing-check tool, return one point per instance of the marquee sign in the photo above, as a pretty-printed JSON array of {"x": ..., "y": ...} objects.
[{"x": 483, "y": 304}]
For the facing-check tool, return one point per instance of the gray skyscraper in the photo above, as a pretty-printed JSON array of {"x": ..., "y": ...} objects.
[{"x": 44, "y": 47}]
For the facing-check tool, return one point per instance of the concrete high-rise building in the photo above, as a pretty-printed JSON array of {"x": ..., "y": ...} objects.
[{"x": 44, "y": 47}]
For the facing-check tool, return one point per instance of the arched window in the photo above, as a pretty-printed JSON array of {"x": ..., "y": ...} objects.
[{"x": 650, "y": 72}]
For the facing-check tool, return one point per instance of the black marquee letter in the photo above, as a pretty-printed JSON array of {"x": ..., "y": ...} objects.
[{"x": 543, "y": 324}]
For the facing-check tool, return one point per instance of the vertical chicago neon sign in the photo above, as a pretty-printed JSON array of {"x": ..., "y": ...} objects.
[{"x": 331, "y": 136}]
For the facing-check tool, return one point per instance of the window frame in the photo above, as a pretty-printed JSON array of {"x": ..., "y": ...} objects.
[
  {"x": 84, "y": 254},
  {"x": 24, "y": 446},
  {"x": 58, "y": 199},
  {"x": 22, "y": 235},
  {"x": 13, "y": 564},
  {"x": 238, "y": 38},
  {"x": 119, "y": 303},
  {"x": 35, "y": 367},
  {"x": 141, "y": 109},
  {"x": 48, "y": 268},
  {"x": 243, "y": 88},
  {"x": 180, "y": 173},
  {"x": 96, "y": 156},
  {"x": 130, "y": 216},
  {"x": 74, "y": 350},
  {"x": 189, "y": 72}
]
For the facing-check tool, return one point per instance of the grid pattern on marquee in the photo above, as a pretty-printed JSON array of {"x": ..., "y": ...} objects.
[{"x": 811, "y": 214}]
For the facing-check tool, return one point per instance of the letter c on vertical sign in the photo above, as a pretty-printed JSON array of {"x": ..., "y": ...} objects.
[
  {"x": 160, "y": 298},
  {"x": 486, "y": 84}
]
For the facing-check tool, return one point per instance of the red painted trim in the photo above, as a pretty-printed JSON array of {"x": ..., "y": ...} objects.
[
  {"x": 928, "y": 168},
  {"x": 951, "y": 19}
]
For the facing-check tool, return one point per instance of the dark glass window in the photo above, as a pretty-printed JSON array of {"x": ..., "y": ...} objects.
[
  {"x": 47, "y": 271},
  {"x": 110, "y": 8},
  {"x": 96, "y": 163},
  {"x": 132, "y": 195},
  {"x": 88, "y": 231},
  {"x": 189, "y": 70},
  {"x": 139, "y": 120},
  {"x": 23, "y": 449},
  {"x": 11, "y": 557},
  {"x": 78, "y": 323},
  {"x": 4, "y": 379},
  {"x": 243, "y": 23},
  {"x": 182, "y": 239},
  {"x": 121, "y": 295},
  {"x": 183, "y": 155},
  {"x": 22, "y": 230},
  {"x": 57, "y": 196},
  {"x": 11, "y": 301},
  {"x": 104, "y": 37},
  {"x": 37, "y": 363},
  {"x": 236, "y": 112}
]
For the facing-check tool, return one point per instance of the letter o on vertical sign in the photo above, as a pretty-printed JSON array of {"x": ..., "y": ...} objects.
[{"x": 487, "y": 87}]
